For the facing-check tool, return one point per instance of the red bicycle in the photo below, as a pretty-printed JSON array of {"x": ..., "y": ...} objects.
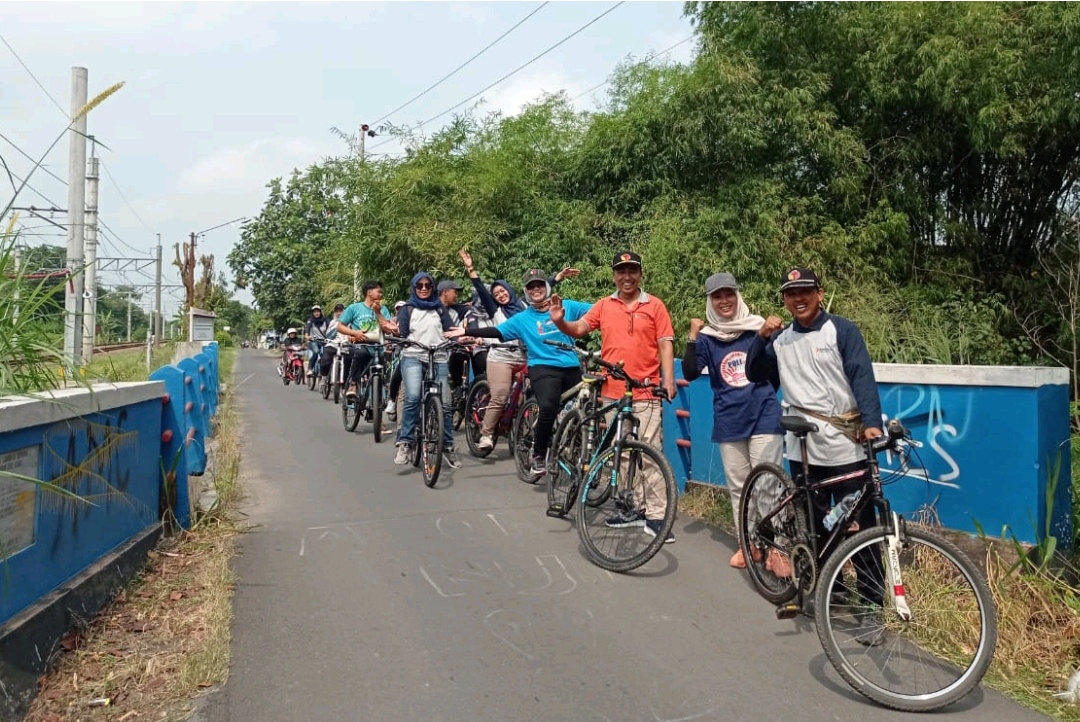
[{"x": 476, "y": 406}]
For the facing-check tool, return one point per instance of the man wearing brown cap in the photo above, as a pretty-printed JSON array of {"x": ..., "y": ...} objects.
[{"x": 635, "y": 329}]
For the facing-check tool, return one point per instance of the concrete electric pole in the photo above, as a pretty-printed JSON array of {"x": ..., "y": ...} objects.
[
  {"x": 157, "y": 291},
  {"x": 90, "y": 248},
  {"x": 73, "y": 297}
]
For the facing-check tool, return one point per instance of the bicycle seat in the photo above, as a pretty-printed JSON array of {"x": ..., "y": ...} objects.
[{"x": 797, "y": 425}]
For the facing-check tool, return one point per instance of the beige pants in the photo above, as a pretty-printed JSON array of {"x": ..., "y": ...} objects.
[
  {"x": 500, "y": 376},
  {"x": 740, "y": 457},
  {"x": 650, "y": 493}
]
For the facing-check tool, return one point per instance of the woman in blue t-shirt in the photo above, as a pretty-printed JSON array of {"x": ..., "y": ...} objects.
[
  {"x": 552, "y": 371},
  {"x": 746, "y": 416}
]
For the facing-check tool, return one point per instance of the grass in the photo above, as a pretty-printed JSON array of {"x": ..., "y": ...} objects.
[
  {"x": 1038, "y": 616},
  {"x": 165, "y": 638},
  {"x": 127, "y": 365}
]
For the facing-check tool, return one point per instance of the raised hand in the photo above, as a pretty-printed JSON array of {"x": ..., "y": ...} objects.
[
  {"x": 696, "y": 324},
  {"x": 771, "y": 326},
  {"x": 567, "y": 272},
  {"x": 555, "y": 308}
]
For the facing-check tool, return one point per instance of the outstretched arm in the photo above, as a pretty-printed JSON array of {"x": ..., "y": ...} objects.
[{"x": 575, "y": 329}]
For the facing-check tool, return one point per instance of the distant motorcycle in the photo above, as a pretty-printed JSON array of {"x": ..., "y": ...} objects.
[{"x": 292, "y": 369}]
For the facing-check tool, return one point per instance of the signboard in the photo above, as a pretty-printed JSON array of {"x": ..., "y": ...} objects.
[
  {"x": 201, "y": 325},
  {"x": 18, "y": 500}
]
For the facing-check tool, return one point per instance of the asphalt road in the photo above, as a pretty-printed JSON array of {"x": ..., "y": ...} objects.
[{"x": 364, "y": 595}]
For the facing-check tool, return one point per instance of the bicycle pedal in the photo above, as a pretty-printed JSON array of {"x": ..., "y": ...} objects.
[
  {"x": 556, "y": 512},
  {"x": 787, "y": 611}
]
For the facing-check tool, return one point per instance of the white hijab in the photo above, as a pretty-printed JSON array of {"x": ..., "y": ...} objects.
[{"x": 739, "y": 324}]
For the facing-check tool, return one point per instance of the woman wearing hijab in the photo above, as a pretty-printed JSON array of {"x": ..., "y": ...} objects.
[
  {"x": 423, "y": 319},
  {"x": 746, "y": 416},
  {"x": 500, "y": 303}
]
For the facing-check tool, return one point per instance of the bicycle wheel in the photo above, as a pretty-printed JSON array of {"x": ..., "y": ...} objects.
[
  {"x": 350, "y": 413},
  {"x": 325, "y": 386},
  {"x": 766, "y": 542},
  {"x": 564, "y": 464},
  {"x": 433, "y": 440},
  {"x": 312, "y": 378},
  {"x": 524, "y": 426},
  {"x": 611, "y": 540},
  {"x": 377, "y": 404},
  {"x": 476, "y": 407},
  {"x": 944, "y": 648}
]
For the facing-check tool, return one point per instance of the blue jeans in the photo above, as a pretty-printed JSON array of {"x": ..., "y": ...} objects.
[
  {"x": 316, "y": 348},
  {"x": 412, "y": 375}
]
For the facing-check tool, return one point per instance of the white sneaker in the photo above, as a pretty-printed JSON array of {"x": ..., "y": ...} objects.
[
  {"x": 391, "y": 410},
  {"x": 404, "y": 454},
  {"x": 486, "y": 442}
]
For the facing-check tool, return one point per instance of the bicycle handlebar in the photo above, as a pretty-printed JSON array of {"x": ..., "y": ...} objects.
[
  {"x": 616, "y": 370},
  {"x": 430, "y": 349}
]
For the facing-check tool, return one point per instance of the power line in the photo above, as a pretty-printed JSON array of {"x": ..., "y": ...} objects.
[
  {"x": 27, "y": 69},
  {"x": 455, "y": 70},
  {"x": 649, "y": 58},
  {"x": 124, "y": 198},
  {"x": 30, "y": 158},
  {"x": 511, "y": 73},
  {"x": 104, "y": 227}
]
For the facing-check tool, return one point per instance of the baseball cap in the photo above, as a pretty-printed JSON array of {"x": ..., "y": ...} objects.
[
  {"x": 291, "y": 330},
  {"x": 316, "y": 307},
  {"x": 626, "y": 258},
  {"x": 533, "y": 274},
  {"x": 799, "y": 278},
  {"x": 720, "y": 280},
  {"x": 339, "y": 306},
  {"x": 447, "y": 285}
]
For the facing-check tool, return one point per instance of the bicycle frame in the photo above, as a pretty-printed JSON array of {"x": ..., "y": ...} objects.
[{"x": 624, "y": 408}]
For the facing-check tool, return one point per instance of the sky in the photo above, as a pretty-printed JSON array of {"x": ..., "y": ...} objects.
[{"x": 222, "y": 97}]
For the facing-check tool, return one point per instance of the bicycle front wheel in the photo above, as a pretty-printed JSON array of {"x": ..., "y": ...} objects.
[
  {"x": 524, "y": 428},
  {"x": 564, "y": 464},
  {"x": 378, "y": 402},
  {"x": 769, "y": 531},
  {"x": 476, "y": 407},
  {"x": 432, "y": 442},
  {"x": 942, "y": 650},
  {"x": 350, "y": 413},
  {"x": 613, "y": 531}
]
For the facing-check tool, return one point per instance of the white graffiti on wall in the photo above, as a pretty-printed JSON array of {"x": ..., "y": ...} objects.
[{"x": 937, "y": 431}]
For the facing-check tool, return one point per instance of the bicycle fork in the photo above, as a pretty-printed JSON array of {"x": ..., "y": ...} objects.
[{"x": 894, "y": 545}]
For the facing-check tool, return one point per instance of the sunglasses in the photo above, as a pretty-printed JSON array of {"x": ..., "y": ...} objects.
[
  {"x": 423, "y": 285},
  {"x": 536, "y": 284}
]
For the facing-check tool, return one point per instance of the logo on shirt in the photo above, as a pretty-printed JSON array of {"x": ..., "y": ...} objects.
[{"x": 733, "y": 369}]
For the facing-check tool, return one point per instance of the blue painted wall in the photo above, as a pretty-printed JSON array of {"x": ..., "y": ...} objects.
[
  {"x": 987, "y": 455},
  {"x": 120, "y": 445}
]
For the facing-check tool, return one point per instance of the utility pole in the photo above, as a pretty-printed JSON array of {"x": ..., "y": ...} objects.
[
  {"x": 129, "y": 318},
  {"x": 90, "y": 248},
  {"x": 73, "y": 297},
  {"x": 18, "y": 282},
  {"x": 157, "y": 292},
  {"x": 365, "y": 129}
]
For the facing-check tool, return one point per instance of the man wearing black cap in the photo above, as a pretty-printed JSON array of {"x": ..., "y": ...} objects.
[
  {"x": 635, "y": 329},
  {"x": 826, "y": 377}
]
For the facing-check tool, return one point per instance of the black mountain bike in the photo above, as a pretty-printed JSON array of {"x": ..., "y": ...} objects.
[
  {"x": 893, "y": 602},
  {"x": 605, "y": 472},
  {"x": 428, "y": 444}
]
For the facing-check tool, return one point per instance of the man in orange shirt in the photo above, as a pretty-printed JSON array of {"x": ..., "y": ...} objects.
[{"x": 635, "y": 328}]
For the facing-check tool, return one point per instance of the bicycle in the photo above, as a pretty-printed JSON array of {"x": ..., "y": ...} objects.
[
  {"x": 335, "y": 379},
  {"x": 428, "y": 444},
  {"x": 370, "y": 393},
  {"x": 607, "y": 476},
  {"x": 476, "y": 407},
  {"x": 864, "y": 605},
  {"x": 313, "y": 374}
]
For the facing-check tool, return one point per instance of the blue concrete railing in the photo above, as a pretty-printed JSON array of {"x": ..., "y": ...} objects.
[
  {"x": 110, "y": 446},
  {"x": 991, "y": 438}
]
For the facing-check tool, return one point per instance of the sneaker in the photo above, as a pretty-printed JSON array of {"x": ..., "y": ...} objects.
[
  {"x": 486, "y": 442},
  {"x": 539, "y": 466},
  {"x": 654, "y": 526},
  {"x": 871, "y": 631},
  {"x": 391, "y": 410},
  {"x": 624, "y": 519},
  {"x": 450, "y": 456},
  {"x": 779, "y": 564},
  {"x": 404, "y": 454},
  {"x": 351, "y": 393}
]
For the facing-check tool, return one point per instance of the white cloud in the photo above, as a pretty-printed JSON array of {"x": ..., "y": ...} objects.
[
  {"x": 515, "y": 94},
  {"x": 246, "y": 168}
]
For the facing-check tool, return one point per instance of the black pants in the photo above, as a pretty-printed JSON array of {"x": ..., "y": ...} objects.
[
  {"x": 456, "y": 366},
  {"x": 869, "y": 571},
  {"x": 548, "y": 384},
  {"x": 326, "y": 360},
  {"x": 395, "y": 383},
  {"x": 358, "y": 363}
]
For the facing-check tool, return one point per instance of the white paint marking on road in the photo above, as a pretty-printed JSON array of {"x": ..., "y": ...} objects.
[
  {"x": 505, "y": 578},
  {"x": 683, "y": 719},
  {"x": 328, "y": 533},
  {"x": 302, "y": 539},
  {"x": 317, "y": 528},
  {"x": 546, "y": 584},
  {"x": 510, "y": 644},
  {"x": 564, "y": 571},
  {"x": 354, "y": 532},
  {"x": 492, "y": 517},
  {"x": 436, "y": 586}
]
